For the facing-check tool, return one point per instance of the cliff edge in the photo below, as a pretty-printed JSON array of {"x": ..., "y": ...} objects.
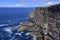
[{"x": 43, "y": 23}]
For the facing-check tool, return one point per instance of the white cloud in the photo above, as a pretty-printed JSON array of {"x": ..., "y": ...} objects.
[
  {"x": 15, "y": 5},
  {"x": 44, "y": 4},
  {"x": 38, "y": 5},
  {"x": 50, "y": 3},
  {"x": 18, "y": 5}
]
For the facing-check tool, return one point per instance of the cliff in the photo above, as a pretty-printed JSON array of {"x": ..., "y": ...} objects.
[{"x": 43, "y": 23}]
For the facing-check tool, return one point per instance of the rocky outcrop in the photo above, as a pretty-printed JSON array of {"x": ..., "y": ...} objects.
[{"x": 43, "y": 23}]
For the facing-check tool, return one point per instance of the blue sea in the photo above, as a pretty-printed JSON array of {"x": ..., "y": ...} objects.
[{"x": 12, "y": 17}]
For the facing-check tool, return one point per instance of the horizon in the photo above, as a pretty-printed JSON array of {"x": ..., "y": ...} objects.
[{"x": 27, "y": 3}]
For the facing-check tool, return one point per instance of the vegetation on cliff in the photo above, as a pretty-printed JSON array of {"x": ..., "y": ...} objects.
[{"x": 42, "y": 21}]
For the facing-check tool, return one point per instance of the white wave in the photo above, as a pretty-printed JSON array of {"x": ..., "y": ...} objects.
[
  {"x": 18, "y": 34},
  {"x": 15, "y": 35},
  {"x": 22, "y": 32},
  {"x": 4, "y": 24},
  {"x": 8, "y": 30},
  {"x": 12, "y": 38},
  {"x": 34, "y": 37},
  {"x": 27, "y": 34}
]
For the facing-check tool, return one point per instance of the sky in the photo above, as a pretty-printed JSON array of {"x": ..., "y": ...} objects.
[{"x": 27, "y": 3}]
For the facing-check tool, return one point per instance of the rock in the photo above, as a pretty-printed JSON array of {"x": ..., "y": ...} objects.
[{"x": 42, "y": 23}]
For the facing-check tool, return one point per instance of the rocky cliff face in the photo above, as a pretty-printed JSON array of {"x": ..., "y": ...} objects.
[{"x": 43, "y": 23}]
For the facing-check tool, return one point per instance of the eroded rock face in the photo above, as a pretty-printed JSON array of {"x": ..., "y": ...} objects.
[
  {"x": 42, "y": 23},
  {"x": 31, "y": 27}
]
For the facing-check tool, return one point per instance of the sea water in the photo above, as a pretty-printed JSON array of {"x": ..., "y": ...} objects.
[{"x": 12, "y": 17}]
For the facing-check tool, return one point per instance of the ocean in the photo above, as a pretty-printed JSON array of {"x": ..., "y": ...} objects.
[{"x": 12, "y": 17}]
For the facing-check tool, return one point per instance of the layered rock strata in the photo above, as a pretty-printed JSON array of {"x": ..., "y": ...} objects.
[{"x": 44, "y": 23}]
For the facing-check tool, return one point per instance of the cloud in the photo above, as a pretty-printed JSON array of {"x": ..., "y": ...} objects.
[
  {"x": 18, "y": 5},
  {"x": 50, "y": 3},
  {"x": 38, "y": 5},
  {"x": 45, "y": 3},
  {"x": 30, "y": 3},
  {"x": 15, "y": 5}
]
